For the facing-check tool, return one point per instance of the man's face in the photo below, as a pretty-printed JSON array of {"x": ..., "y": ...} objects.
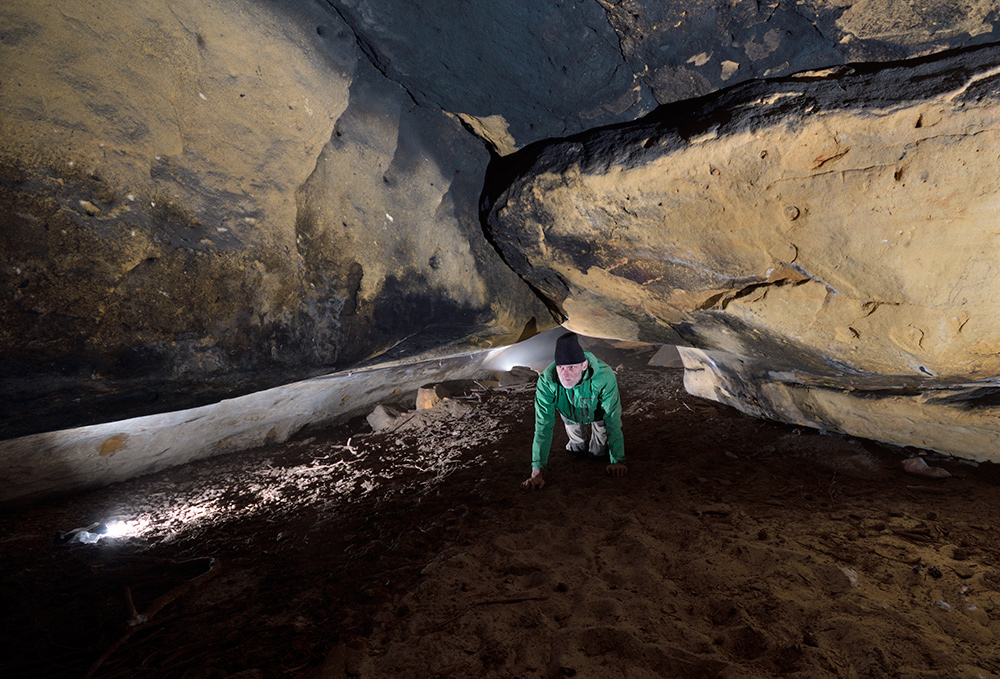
[{"x": 571, "y": 374}]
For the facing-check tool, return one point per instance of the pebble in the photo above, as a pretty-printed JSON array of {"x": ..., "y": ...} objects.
[
  {"x": 964, "y": 571},
  {"x": 918, "y": 467}
]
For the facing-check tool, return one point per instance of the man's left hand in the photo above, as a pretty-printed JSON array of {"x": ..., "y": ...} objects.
[{"x": 617, "y": 470}]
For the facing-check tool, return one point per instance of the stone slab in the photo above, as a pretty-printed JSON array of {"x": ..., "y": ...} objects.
[{"x": 74, "y": 459}]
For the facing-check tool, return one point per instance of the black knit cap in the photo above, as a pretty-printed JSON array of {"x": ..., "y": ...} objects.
[{"x": 568, "y": 350}]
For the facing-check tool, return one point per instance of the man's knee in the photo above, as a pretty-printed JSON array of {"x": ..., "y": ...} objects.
[
  {"x": 598, "y": 448},
  {"x": 598, "y": 438}
]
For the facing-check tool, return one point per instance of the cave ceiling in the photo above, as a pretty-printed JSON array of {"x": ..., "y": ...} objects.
[{"x": 201, "y": 201}]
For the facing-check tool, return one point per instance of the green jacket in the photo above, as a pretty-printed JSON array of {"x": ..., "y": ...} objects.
[{"x": 594, "y": 398}]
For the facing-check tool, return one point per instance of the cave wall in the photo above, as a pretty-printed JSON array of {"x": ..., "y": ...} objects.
[
  {"x": 522, "y": 71},
  {"x": 199, "y": 201},
  {"x": 828, "y": 240}
]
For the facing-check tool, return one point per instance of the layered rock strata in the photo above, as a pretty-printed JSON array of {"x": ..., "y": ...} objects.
[
  {"x": 521, "y": 71},
  {"x": 200, "y": 201},
  {"x": 834, "y": 230}
]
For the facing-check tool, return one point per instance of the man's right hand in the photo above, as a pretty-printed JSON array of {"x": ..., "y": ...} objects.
[{"x": 535, "y": 481}]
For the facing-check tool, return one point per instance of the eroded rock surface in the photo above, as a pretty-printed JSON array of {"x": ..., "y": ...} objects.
[
  {"x": 835, "y": 230},
  {"x": 521, "y": 71},
  {"x": 514, "y": 72},
  {"x": 201, "y": 201},
  {"x": 686, "y": 49}
]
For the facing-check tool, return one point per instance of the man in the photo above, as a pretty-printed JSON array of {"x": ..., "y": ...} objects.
[{"x": 583, "y": 390}]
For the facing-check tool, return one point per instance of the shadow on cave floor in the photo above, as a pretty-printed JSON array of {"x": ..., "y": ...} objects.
[{"x": 734, "y": 547}]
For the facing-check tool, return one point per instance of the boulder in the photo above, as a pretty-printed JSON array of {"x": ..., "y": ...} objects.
[
  {"x": 522, "y": 71},
  {"x": 833, "y": 230},
  {"x": 512, "y": 72},
  {"x": 685, "y": 48}
]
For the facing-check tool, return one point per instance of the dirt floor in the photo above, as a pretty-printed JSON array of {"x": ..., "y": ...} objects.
[{"x": 734, "y": 548}]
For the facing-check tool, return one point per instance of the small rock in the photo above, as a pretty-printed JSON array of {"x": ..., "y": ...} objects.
[
  {"x": 719, "y": 508},
  {"x": 430, "y": 395},
  {"x": 90, "y": 208},
  {"x": 792, "y": 213},
  {"x": 519, "y": 374},
  {"x": 452, "y": 409},
  {"x": 352, "y": 663},
  {"x": 918, "y": 467},
  {"x": 965, "y": 571},
  {"x": 383, "y": 417}
]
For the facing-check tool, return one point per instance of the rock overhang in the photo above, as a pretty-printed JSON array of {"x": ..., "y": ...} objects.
[
  {"x": 177, "y": 230},
  {"x": 829, "y": 230}
]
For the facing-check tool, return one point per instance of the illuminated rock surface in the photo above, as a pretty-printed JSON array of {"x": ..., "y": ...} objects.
[
  {"x": 205, "y": 201},
  {"x": 202, "y": 201},
  {"x": 830, "y": 231}
]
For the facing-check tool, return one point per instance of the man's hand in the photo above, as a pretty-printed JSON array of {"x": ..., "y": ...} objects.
[
  {"x": 535, "y": 481},
  {"x": 617, "y": 470}
]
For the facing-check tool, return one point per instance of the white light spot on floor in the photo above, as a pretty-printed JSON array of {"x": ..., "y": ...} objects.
[{"x": 122, "y": 529}]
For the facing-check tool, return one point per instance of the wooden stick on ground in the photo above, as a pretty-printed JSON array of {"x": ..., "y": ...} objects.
[{"x": 141, "y": 621}]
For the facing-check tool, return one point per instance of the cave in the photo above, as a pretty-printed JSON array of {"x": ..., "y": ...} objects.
[{"x": 234, "y": 234}]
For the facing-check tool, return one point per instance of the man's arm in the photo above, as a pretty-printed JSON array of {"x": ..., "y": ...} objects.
[
  {"x": 545, "y": 417},
  {"x": 611, "y": 404}
]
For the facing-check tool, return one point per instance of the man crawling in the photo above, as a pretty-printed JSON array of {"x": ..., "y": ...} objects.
[{"x": 583, "y": 390}]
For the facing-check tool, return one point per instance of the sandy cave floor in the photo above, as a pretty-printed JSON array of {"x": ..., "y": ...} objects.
[{"x": 734, "y": 548}]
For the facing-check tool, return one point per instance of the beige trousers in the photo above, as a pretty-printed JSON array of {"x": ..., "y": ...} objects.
[{"x": 577, "y": 442}]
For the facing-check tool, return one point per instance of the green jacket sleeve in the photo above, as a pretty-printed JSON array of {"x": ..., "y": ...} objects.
[
  {"x": 545, "y": 417},
  {"x": 611, "y": 404}
]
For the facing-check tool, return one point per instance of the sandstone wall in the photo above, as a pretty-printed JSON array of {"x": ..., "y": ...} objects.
[
  {"x": 204, "y": 200},
  {"x": 522, "y": 71},
  {"x": 830, "y": 230},
  {"x": 199, "y": 201}
]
